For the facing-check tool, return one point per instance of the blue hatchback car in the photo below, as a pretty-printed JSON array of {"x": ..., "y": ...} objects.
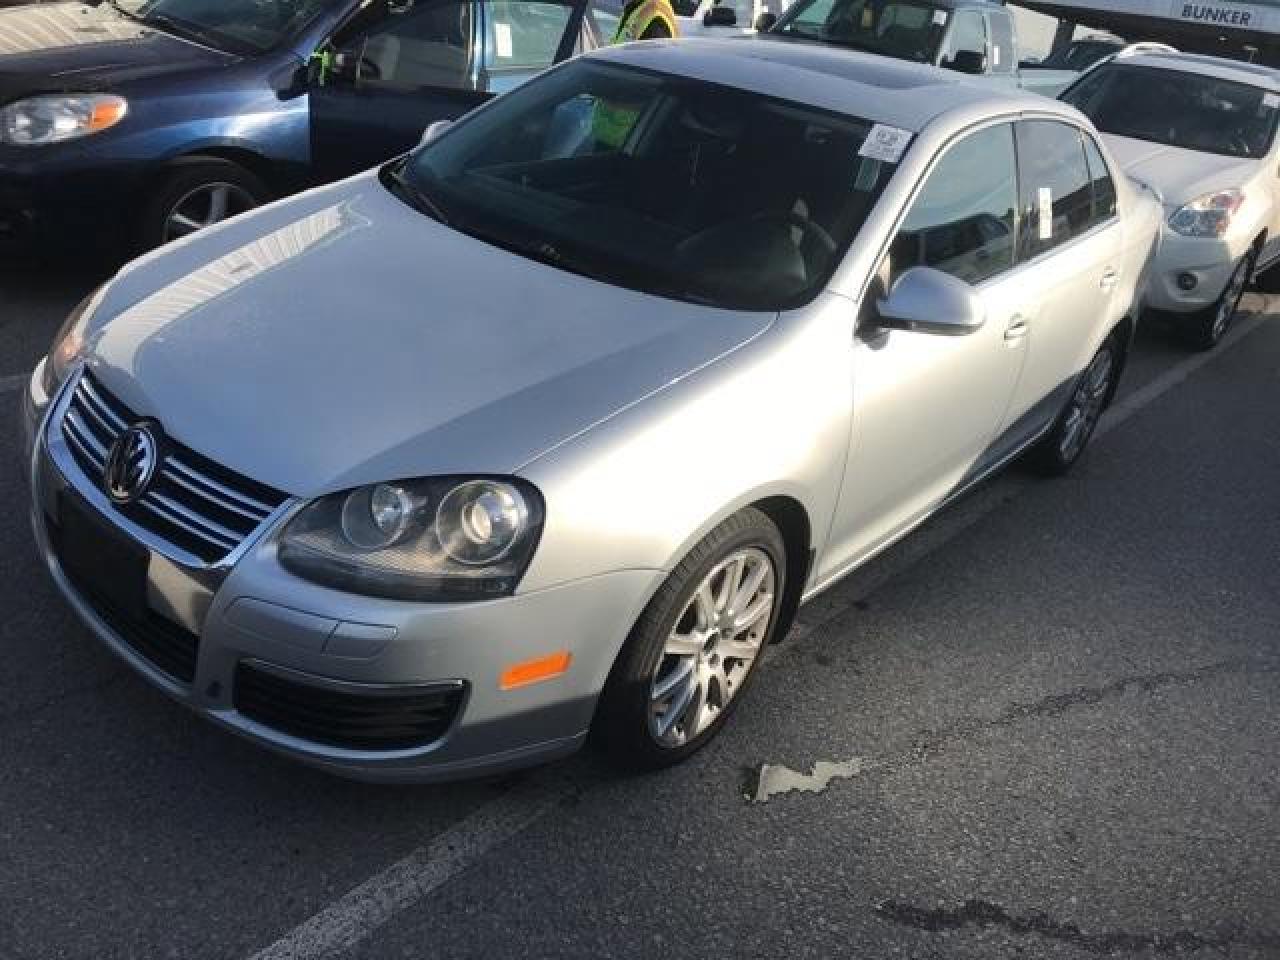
[{"x": 145, "y": 120}]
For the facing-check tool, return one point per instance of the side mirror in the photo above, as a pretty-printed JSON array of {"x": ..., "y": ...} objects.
[
  {"x": 433, "y": 131},
  {"x": 764, "y": 23},
  {"x": 925, "y": 300},
  {"x": 719, "y": 16},
  {"x": 969, "y": 61}
]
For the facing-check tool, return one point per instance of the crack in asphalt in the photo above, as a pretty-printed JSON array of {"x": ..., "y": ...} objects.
[
  {"x": 983, "y": 914},
  {"x": 1055, "y": 705},
  {"x": 771, "y": 780}
]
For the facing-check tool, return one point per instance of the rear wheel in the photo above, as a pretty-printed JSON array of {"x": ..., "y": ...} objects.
[
  {"x": 695, "y": 648},
  {"x": 198, "y": 193},
  {"x": 1059, "y": 449},
  {"x": 1210, "y": 326}
]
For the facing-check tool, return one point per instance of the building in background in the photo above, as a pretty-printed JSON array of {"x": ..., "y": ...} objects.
[{"x": 1229, "y": 28}]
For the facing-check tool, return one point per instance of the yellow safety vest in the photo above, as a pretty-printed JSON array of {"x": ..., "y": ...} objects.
[{"x": 612, "y": 123}]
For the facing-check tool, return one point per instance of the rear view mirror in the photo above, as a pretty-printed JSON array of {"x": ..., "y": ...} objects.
[
  {"x": 969, "y": 61},
  {"x": 685, "y": 8},
  {"x": 765, "y": 22},
  {"x": 434, "y": 130},
  {"x": 925, "y": 300},
  {"x": 719, "y": 16}
]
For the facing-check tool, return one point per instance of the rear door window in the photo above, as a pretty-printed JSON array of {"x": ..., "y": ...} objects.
[
  {"x": 1056, "y": 189},
  {"x": 968, "y": 35}
]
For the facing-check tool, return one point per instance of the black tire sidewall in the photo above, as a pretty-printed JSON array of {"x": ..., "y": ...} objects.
[
  {"x": 621, "y": 724},
  {"x": 179, "y": 179},
  {"x": 1202, "y": 336},
  {"x": 1046, "y": 457}
]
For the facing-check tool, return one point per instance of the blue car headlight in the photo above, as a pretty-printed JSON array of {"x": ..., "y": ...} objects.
[
  {"x": 54, "y": 118},
  {"x": 446, "y": 538}
]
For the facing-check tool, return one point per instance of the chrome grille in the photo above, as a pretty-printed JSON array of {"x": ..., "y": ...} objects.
[{"x": 198, "y": 506}]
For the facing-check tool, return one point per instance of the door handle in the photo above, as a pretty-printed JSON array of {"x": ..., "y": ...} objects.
[
  {"x": 1017, "y": 328},
  {"x": 1109, "y": 280}
]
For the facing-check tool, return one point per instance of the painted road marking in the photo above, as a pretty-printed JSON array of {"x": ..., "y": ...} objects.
[
  {"x": 360, "y": 913},
  {"x": 355, "y": 916}
]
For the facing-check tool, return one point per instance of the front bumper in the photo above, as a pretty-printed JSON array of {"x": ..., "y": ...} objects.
[
  {"x": 64, "y": 195},
  {"x": 1210, "y": 262},
  {"x": 254, "y": 614}
]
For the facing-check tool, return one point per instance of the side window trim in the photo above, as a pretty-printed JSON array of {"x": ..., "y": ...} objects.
[{"x": 1089, "y": 138}]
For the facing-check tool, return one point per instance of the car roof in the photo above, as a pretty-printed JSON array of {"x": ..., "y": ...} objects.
[
  {"x": 1218, "y": 67},
  {"x": 907, "y": 95}
]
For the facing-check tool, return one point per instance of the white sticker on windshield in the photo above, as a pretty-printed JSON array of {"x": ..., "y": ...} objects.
[
  {"x": 502, "y": 33},
  {"x": 1046, "y": 213},
  {"x": 940, "y": 18},
  {"x": 885, "y": 143},
  {"x": 1271, "y": 100}
]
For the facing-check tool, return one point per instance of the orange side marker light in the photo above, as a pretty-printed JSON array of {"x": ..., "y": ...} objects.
[{"x": 535, "y": 671}]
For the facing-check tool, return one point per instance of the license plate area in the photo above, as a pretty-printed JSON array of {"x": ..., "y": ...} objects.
[{"x": 102, "y": 563}]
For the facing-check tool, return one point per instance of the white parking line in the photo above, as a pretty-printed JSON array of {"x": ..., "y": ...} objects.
[
  {"x": 358, "y": 914},
  {"x": 366, "y": 908},
  {"x": 15, "y": 382}
]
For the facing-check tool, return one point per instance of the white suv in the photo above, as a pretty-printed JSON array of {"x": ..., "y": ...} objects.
[{"x": 1201, "y": 133}]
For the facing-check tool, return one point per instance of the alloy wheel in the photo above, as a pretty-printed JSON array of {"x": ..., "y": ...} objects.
[
  {"x": 204, "y": 206},
  {"x": 1230, "y": 302},
  {"x": 712, "y": 647},
  {"x": 1087, "y": 404}
]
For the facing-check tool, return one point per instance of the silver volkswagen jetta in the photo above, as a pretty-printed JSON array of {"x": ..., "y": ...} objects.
[{"x": 550, "y": 426}]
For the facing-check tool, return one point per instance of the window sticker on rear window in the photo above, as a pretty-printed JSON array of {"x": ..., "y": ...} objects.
[
  {"x": 1271, "y": 100},
  {"x": 885, "y": 143},
  {"x": 940, "y": 17},
  {"x": 1046, "y": 213}
]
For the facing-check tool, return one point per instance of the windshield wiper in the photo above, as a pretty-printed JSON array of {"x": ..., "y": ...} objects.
[
  {"x": 394, "y": 179},
  {"x": 181, "y": 28}
]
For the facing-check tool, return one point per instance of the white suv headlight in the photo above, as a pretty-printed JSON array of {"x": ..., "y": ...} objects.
[
  {"x": 38, "y": 121},
  {"x": 1208, "y": 216}
]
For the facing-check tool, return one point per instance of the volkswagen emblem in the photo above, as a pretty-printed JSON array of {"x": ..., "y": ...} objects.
[{"x": 131, "y": 463}]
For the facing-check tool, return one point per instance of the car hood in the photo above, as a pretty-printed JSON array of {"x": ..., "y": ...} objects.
[
  {"x": 1178, "y": 176},
  {"x": 342, "y": 338},
  {"x": 75, "y": 47}
]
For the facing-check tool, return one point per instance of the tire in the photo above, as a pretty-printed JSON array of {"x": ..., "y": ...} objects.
[
  {"x": 1061, "y": 448},
  {"x": 647, "y": 684},
  {"x": 1207, "y": 328},
  {"x": 188, "y": 195}
]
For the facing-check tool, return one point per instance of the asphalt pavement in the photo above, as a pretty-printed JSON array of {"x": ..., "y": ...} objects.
[{"x": 1048, "y": 725}]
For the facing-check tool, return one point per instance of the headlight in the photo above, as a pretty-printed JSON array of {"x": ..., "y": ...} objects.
[
  {"x": 68, "y": 342},
  {"x": 1208, "y": 216},
  {"x": 439, "y": 539},
  {"x": 52, "y": 119}
]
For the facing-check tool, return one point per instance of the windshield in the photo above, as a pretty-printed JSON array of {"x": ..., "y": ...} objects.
[
  {"x": 663, "y": 184},
  {"x": 1178, "y": 109},
  {"x": 904, "y": 29},
  {"x": 239, "y": 26}
]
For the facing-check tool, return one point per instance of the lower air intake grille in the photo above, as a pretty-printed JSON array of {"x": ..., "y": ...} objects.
[{"x": 384, "y": 719}]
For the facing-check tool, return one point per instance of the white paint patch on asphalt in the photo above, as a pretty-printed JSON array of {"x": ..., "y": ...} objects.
[
  {"x": 363, "y": 910},
  {"x": 15, "y": 382},
  {"x": 777, "y": 779},
  {"x": 359, "y": 913}
]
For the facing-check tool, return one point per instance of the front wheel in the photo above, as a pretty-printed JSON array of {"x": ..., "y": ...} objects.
[
  {"x": 1060, "y": 448},
  {"x": 695, "y": 648},
  {"x": 195, "y": 193},
  {"x": 1210, "y": 326}
]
